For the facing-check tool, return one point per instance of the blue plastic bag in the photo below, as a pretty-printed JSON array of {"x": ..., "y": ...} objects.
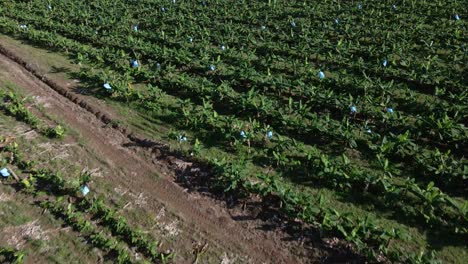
[
  {"x": 269, "y": 134},
  {"x": 84, "y": 190},
  {"x": 4, "y": 172},
  {"x": 107, "y": 86},
  {"x": 135, "y": 64},
  {"x": 321, "y": 75}
]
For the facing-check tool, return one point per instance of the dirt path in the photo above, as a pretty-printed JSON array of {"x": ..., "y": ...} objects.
[{"x": 153, "y": 177}]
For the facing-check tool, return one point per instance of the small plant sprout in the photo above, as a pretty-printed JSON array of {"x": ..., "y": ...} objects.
[
  {"x": 182, "y": 138},
  {"x": 293, "y": 24},
  {"x": 107, "y": 86},
  {"x": 353, "y": 109},
  {"x": 134, "y": 63},
  {"x": 135, "y": 27},
  {"x": 212, "y": 67},
  {"x": 385, "y": 62},
  {"x": 84, "y": 190},
  {"x": 457, "y": 17},
  {"x": 4, "y": 172},
  {"x": 85, "y": 178},
  {"x": 321, "y": 75},
  {"x": 223, "y": 47},
  {"x": 55, "y": 132},
  {"x": 243, "y": 134},
  {"x": 269, "y": 134},
  {"x": 389, "y": 110},
  {"x": 197, "y": 146}
]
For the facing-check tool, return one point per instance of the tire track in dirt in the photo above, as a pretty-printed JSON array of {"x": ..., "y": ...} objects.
[{"x": 199, "y": 214}]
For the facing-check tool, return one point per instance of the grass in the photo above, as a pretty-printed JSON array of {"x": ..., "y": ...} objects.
[
  {"x": 61, "y": 246},
  {"x": 9, "y": 210}
]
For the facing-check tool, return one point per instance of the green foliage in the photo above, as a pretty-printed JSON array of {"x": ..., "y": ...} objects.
[
  {"x": 13, "y": 105},
  {"x": 266, "y": 81},
  {"x": 9, "y": 255},
  {"x": 54, "y": 132}
]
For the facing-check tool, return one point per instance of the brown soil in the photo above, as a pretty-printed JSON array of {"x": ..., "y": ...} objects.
[{"x": 152, "y": 170}]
